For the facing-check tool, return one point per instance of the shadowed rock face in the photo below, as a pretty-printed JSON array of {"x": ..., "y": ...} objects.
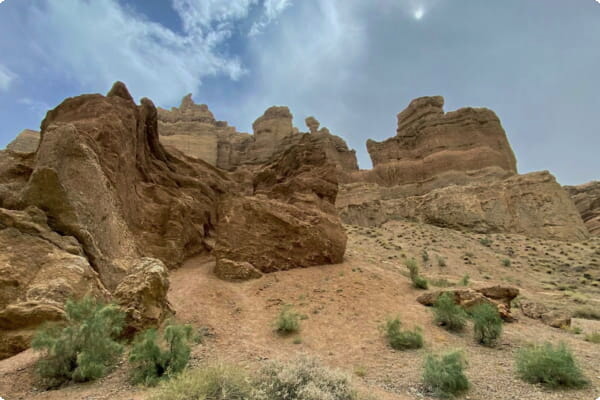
[
  {"x": 430, "y": 143},
  {"x": 587, "y": 201}
]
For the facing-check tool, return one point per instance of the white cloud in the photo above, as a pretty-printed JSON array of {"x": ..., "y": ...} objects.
[
  {"x": 6, "y": 78},
  {"x": 99, "y": 42},
  {"x": 272, "y": 10}
]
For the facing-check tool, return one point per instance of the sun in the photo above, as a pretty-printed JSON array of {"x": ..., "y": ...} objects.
[{"x": 419, "y": 13}]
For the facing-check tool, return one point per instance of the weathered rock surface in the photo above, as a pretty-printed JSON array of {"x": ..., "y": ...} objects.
[
  {"x": 143, "y": 295},
  {"x": 26, "y": 142},
  {"x": 498, "y": 296},
  {"x": 533, "y": 204},
  {"x": 193, "y": 130},
  {"x": 236, "y": 270},
  {"x": 430, "y": 143},
  {"x": 587, "y": 201},
  {"x": 553, "y": 318},
  {"x": 39, "y": 270},
  {"x": 291, "y": 213}
]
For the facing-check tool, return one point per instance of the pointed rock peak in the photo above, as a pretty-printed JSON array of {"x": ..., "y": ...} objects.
[
  {"x": 120, "y": 90},
  {"x": 187, "y": 101},
  {"x": 313, "y": 124}
]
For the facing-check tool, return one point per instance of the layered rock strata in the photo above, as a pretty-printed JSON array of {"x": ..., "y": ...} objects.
[{"x": 587, "y": 201}]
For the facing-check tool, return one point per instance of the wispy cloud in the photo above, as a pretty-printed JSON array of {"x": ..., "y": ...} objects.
[
  {"x": 6, "y": 78},
  {"x": 272, "y": 10}
]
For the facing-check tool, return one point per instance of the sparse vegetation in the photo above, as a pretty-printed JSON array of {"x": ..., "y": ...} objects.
[
  {"x": 302, "y": 379},
  {"x": 441, "y": 261},
  {"x": 287, "y": 321},
  {"x": 552, "y": 366},
  {"x": 487, "y": 242},
  {"x": 425, "y": 256},
  {"x": 506, "y": 262},
  {"x": 83, "y": 348},
  {"x": 587, "y": 313},
  {"x": 487, "y": 324},
  {"x": 593, "y": 337},
  {"x": 418, "y": 281},
  {"x": 154, "y": 359},
  {"x": 399, "y": 339},
  {"x": 213, "y": 382},
  {"x": 464, "y": 281},
  {"x": 448, "y": 314},
  {"x": 444, "y": 375}
]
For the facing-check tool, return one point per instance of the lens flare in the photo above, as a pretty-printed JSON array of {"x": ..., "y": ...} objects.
[{"x": 420, "y": 12}]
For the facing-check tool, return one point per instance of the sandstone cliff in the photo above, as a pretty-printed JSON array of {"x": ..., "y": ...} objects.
[
  {"x": 587, "y": 201},
  {"x": 435, "y": 149}
]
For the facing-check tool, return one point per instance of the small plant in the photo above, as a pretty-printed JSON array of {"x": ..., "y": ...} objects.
[
  {"x": 444, "y": 375},
  {"x": 360, "y": 371},
  {"x": 552, "y": 366},
  {"x": 506, "y": 262},
  {"x": 487, "y": 324},
  {"x": 593, "y": 338},
  {"x": 418, "y": 281},
  {"x": 153, "y": 360},
  {"x": 587, "y": 313},
  {"x": 287, "y": 321},
  {"x": 214, "y": 382},
  {"x": 464, "y": 281},
  {"x": 448, "y": 314},
  {"x": 83, "y": 348},
  {"x": 487, "y": 242},
  {"x": 302, "y": 379},
  {"x": 399, "y": 339},
  {"x": 297, "y": 340},
  {"x": 441, "y": 262},
  {"x": 425, "y": 256}
]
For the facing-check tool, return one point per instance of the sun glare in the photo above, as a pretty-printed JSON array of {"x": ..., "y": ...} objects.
[{"x": 419, "y": 13}]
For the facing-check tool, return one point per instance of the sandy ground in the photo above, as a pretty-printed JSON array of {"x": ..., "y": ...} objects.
[{"x": 344, "y": 305}]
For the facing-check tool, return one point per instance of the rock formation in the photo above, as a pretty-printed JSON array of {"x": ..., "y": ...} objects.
[
  {"x": 587, "y": 201},
  {"x": 26, "y": 142},
  {"x": 456, "y": 170},
  {"x": 193, "y": 130},
  {"x": 432, "y": 146},
  {"x": 102, "y": 208}
]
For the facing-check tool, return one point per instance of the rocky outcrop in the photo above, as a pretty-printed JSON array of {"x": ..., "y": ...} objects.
[
  {"x": 143, "y": 295},
  {"x": 587, "y": 201},
  {"x": 102, "y": 208},
  {"x": 498, "y": 296},
  {"x": 533, "y": 204},
  {"x": 553, "y": 318},
  {"x": 291, "y": 213},
  {"x": 437, "y": 149},
  {"x": 39, "y": 270},
  {"x": 193, "y": 130},
  {"x": 26, "y": 142}
]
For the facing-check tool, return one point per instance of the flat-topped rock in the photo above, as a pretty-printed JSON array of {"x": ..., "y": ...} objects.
[{"x": 26, "y": 142}]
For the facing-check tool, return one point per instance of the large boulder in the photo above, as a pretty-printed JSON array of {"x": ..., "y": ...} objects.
[
  {"x": 290, "y": 220},
  {"x": 143, "y": 295},
  {"x": 39, "y": 270},
  {"x": 587, "y": 201}
]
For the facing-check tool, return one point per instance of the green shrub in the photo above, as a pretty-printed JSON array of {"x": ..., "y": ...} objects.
[
  {"x": 303, "y": 379},
  {"x": 418, "y": 281},
  {"x": 402, "y": 340},
  {"x": 506, "y": 262},
  {"x": 213, "y": 382},
  {"x": 552, "y": 366},
  {"x": 444, "y": 375},
  {"x": 154, "y": 359},
  {"x": 83, "y": 348},
  {"x": 487, "y": 242},
  {"x": 425, "y": 255},
  {"x": 287, "y": 321},
  {"x": 448, "y": 314},
  {"x": 487, "y": 324},
  {"x": 593, "y": 338},
  {"x": 464, "y": 281},
  {"x": 441, "y": 261}
]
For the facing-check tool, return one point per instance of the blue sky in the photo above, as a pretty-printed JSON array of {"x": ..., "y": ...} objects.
[{"x": 353, "y": 64}]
